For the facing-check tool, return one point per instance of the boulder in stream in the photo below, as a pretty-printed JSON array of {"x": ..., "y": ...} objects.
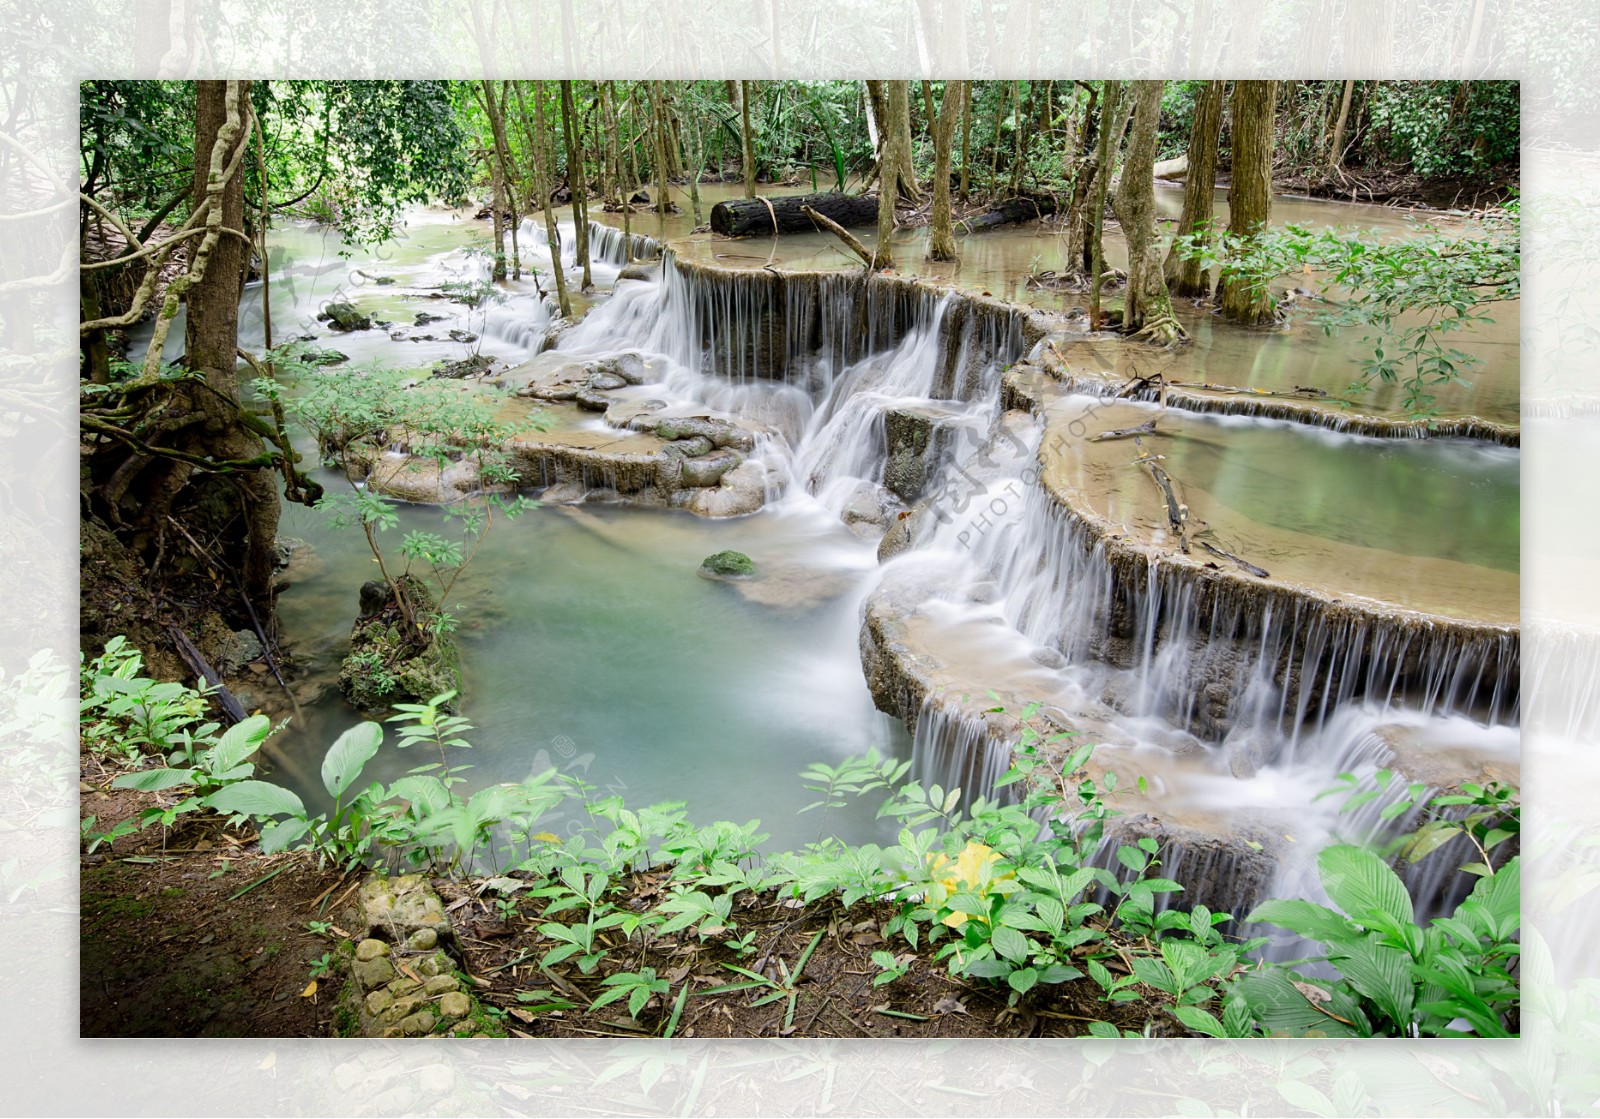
[
  {"x": 727, "y": 565},
  {"x": 383, "y": 666},
  {"x": 473, "y": 366},
  {"x": 344, "y": 317}
]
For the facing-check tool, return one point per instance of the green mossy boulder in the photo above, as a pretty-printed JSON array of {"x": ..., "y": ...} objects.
[
  {"x": 382, "y": 668},
  {"x": 727, "y": 565}
]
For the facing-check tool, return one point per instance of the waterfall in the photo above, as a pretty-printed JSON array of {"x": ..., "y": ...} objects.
[{"x": 1240, "y": 700}]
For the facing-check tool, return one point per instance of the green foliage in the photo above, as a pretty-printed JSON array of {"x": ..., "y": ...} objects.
[
  {"x": 1487, "y": 816},
  {"x": 1442, "y": 127},
  {"x": 352, "y": 153},
  {"x": 1396, "y": 977},
  {"x": 1408, "y": 294},
  {"x": 983, "y": 887},
  {"x": 357, "y": 415}
]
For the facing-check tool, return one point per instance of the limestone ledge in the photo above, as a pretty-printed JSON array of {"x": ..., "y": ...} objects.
[{"x": 1304, "y": 409}]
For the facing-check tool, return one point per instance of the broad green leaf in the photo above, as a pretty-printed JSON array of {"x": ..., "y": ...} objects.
[
  {"x": 256, "y": 798},
  {"x": 1304, "y": 918},
  {"x": 1283, "y": 1010},
  {"x": 1011, "y": 944},
  {"x": 423, "y": 791},
  {"x": 153, "y": 780},
  {"x": 1359, "y": 883},
  {"x": 1199, "y": 1021},
  {"x": 1382, "y": 974},
  {"x": 277, "y": 836},
  {"x": 346, "y": 757},
  {"x": 239, "y": 742},
  {"x": 1022, "y": 980}
]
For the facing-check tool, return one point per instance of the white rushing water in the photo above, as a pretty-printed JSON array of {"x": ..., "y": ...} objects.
[
  {"x": 1008, "y": 593},
  {"x": 1019, "y": 596}
]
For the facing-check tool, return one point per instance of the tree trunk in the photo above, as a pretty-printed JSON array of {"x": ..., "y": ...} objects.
[
  {"x": 966, "y": 143},
  {"x": 212, "y": 350},
  {"x": 576, "y": 183},
  {"x": 497, "y": 199},
  {"x": 892, "y": 167},
  {"x": 747, "y": 146},
  {"x": 1016, "y": 137},
  {"x": 658, "y": 135},
  {"x": 739, "y": 217},
  {"x": 1186, "y": 275},
  {"x": 552, "y": 235},
  {"x": 1147, "y": 309},
  {"x": 1336, "y": 147},
  {"x": 1250, "y": 195},
  {"x": 942, "y": 245},
  {"x": 1110, "y": 135}
]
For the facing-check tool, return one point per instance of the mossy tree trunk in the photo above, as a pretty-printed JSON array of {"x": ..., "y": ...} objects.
[
  {"x": 1112, "y": 122},
  {"x": 1185, "y": 274},
  {"x": 896, "y": 154},
  {"x": 943, "y": 243},
  {"x": 747, "y": 144},
  {"x": 1147, "y": 310},
  {"x": 1250, "y": 195}
]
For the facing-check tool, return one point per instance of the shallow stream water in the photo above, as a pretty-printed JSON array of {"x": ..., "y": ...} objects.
[{"x": 591, "y": 645}]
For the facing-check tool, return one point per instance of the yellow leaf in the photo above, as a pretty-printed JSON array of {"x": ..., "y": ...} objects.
[
  {"x": 547, "y": 837},
  {"x": 311, "y": 989},
  {"x": 268, "y": 1061},
  {"x": 969, "y": 869}
]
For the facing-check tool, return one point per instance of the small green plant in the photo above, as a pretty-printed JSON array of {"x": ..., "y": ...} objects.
[
  {"x": 320, "y": 928},
  {"x": 784, "y": 987},
  {"x": 638, "y": 986},
  {"x": 890, "y": 966},
  {"x": 322, "y": 965}
]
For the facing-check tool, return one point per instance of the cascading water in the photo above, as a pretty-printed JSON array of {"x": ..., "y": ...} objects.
[{"x": 883, "y": 404}]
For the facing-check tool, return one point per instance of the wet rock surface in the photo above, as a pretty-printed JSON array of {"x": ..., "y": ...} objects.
[{"x": 344, "y": 317}]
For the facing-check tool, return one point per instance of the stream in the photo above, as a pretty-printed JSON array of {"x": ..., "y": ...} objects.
[{"x": 591, "y": 645}]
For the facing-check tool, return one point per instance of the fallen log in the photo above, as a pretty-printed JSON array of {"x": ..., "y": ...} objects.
[
  {"x": 208, "y": 675},
  {"x": 1012, "y": 210},
  {"x": 741, "y": 217}
]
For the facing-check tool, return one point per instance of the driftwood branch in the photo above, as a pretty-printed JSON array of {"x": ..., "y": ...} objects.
[
  {"x": 1177, "y": 508},
  {"x": 1245, "y": 564},
  {"x": 839, "y": 231},
  {"x": 198, "y": 665},
  {"x": 1146, "y": 428},
  {"x": 1246, "y": 390}
]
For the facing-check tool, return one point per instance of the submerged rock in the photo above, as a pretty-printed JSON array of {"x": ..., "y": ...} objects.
[
  {"x": 640, "y": 271},
  {"x": 911, "y": 436},
  {"x": 473, "y": 366},
  {"x": 628, "y": 367},
  {"x": 324, "y": 357},
  {"x": 344, "y": 317},
  {"x": 727, "y": 565},
  {"x": 708, "y": 469}
]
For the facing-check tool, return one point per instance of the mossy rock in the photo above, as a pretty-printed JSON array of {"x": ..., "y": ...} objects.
[
  {"x": 728, "y": 565},
  {"x": 382, "y": 668}
]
